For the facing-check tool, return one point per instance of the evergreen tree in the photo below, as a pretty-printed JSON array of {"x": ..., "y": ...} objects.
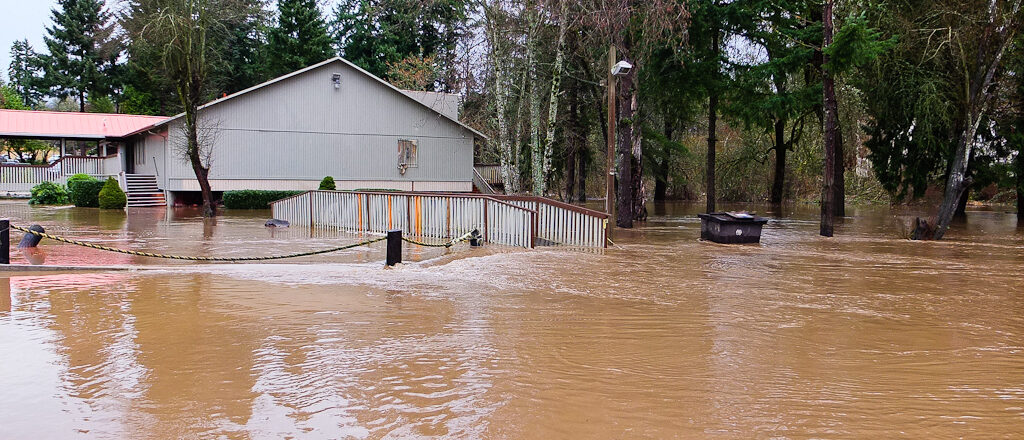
[
  {"x": 25, "y": 73},
  {"x": 380, "y": 36},
  {"x": 81, "y": 50},
  {"x": 245, "y": 63},
  {"x": 300, "y": 38},
  {"x": 780, "y": 90}
]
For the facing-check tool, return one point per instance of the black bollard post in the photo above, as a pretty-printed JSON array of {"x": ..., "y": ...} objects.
[
  {"x": 394, "y": 247},
  {"x": 476, "y": 240},
  {"x": 31, "y": 240},
  {"x": 5, "y": 241}
]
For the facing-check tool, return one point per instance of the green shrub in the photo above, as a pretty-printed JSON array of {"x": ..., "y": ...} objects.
[
  {"x": 84, "y": 190},
  {"x": 49, "y": 193},
  {"x": 254, "y": 199},
  {"x": 327, "y": 184},
  {"x": 111, "y": 196},
  {"x": 80, "y": 177}
]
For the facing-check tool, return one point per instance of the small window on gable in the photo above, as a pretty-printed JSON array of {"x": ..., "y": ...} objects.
[{"x": 407, "y": 153}]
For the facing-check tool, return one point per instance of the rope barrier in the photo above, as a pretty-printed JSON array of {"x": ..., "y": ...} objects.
[
  {"x": 449, "y": 244},
  {"x": 193, "y": 258}
]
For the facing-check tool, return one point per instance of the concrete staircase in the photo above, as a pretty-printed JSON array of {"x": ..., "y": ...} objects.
[{"x": 143, "y": 191}]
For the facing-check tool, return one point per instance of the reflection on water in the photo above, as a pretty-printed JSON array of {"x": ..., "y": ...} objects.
[{"x": 861, "y": 336}]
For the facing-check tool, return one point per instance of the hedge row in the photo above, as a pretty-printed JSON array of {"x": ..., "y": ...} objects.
[
  {"x": 84, "y": 190},
  {"x": 254, "y": 199}
]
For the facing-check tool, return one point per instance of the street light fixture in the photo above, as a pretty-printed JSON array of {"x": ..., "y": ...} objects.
[{"x": 621, "y": 68}]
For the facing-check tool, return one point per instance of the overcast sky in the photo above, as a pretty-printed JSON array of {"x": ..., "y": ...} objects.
[{"x": 22, "y": 19}]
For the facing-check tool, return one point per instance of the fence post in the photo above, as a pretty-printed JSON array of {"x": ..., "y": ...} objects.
[
  {"x": 394, "y": 247},
  {"x": 5, "y": 241}
]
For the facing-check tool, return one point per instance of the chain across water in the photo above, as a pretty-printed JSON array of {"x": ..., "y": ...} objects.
[{"x": 232, "y": 259}]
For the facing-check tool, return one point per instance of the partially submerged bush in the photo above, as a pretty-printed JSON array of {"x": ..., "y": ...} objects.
[
  {"x": 254, "y": 199},
  {"x": 327, "y": 184},
  {"x": 84, "y": 190},
  {"x": 111, "y": 196},
  {"x": 49, "y": 193}
]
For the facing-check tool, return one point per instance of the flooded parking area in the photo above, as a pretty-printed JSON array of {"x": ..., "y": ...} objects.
[{"x": 866, "y": 335}]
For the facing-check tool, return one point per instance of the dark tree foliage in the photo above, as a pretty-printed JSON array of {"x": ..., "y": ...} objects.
[
  {"x": 379, "y": 34},
  {"x": 25, "y": 73},
  {"x": 917, "y": 93},
  {"x": 299, "y": 39},
  {"x": 245, "y": 52},
  {"x": 776, "y": 93},
  {"x": 81, "y": 50}
]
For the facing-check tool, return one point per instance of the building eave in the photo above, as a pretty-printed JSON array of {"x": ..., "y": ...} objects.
[{"x": 307, "y": 69}]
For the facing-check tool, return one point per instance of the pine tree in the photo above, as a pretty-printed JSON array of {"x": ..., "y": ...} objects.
[
  {"x": 25, "y": 73},
  {"x": 245, "y": 54},
  {"x": 379, "y": 36},
  {"x": 81, "y": 50},
  {"x": 300, "y": 38}
]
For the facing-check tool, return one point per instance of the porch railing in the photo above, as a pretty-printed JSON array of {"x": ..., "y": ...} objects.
[
  {"x": 490, "y": 173},
  {"x": 482, "y": 184},
  {"x": 20, "y": 178},
  {"x": 506, "y": 220}
]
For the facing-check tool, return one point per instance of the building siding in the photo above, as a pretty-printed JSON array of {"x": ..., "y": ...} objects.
[{"x": 302, "y": 129}]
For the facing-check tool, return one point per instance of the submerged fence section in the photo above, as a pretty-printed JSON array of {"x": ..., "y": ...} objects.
[{"x": 507, "y": 220}]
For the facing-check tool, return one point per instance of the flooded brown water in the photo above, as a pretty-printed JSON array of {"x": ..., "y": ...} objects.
[{"x": 862, "y": 336}]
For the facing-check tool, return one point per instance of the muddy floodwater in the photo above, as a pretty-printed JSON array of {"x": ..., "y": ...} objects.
[{"x": 865, "y": 335}]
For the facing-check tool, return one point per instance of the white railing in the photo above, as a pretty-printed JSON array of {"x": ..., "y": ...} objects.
[
  {"x": 490, "y": 173},
  {"x": 508, "y": 220},
  {"x": 480, "y": 183},
  {"x": 564, "y": 224},
  {"x": 21, "y": 178}
]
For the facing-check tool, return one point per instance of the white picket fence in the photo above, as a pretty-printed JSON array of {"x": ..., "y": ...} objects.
[{"x": 512, "y": 221}]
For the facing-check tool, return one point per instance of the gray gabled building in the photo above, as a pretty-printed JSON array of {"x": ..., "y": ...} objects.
[{"x": 330, "y": 119}]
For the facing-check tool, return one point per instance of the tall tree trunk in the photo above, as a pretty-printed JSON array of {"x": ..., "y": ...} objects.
[
  {"x": 536, "y": 152},
  {"x": 201, "y": 171},
  {"x": 1020, "y": 184},
  {"x": 624, "y": 146},
  {"x": 712, "y": 128},
  {"x": 81, "y": 101},
  {"x": 661, "y": 183},
  {"x": 831, "y": 127},
  {"x": 573, "y": 139},
  {"x": 779, "y": 178},
  {"x": 507, "y": 148},
  {"x": 556, "y": 83},
  {"x": 532, "y": 90},
  {"x": 584, "y": 161},
  {"x": 991, "y": 47},
  {"x": 639, "y": 190},
  {"x": 839, "y": 183}
]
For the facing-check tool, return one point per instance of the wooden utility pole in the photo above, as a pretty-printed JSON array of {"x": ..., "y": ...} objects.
[
  {"x": 831, "y": 128},
  {"x": 712, "y": 129},
  {"x": 609, "y": 203}
]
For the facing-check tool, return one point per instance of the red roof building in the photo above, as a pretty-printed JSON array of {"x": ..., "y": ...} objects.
[{"x": 71, "y": 125}]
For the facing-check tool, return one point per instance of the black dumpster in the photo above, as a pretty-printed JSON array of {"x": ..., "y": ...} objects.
[{"x": 731, "y": 227}]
